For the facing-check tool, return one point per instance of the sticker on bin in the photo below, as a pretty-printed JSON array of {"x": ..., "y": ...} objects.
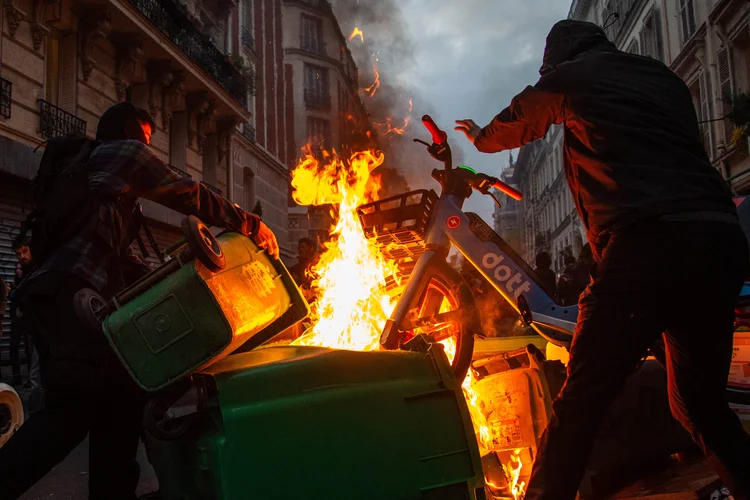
[
  {"x": 507, "y": 433},
  {"x": 739, "y": 371}
]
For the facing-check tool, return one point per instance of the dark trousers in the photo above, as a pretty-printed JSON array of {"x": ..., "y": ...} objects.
[
  {"x": 17, "y": 336},
  {"x": 681, "y": 278},
  {"x": 87, "y": 391}
]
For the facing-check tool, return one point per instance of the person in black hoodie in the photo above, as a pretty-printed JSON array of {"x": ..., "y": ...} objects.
[
  {"x": 664, "y": 233},
  {"x": 87, "y": 389}
]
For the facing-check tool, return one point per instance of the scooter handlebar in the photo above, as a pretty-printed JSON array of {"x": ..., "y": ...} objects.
[
  {"x": 508, "y": 190},
  {"x": 438, "y": 136}
]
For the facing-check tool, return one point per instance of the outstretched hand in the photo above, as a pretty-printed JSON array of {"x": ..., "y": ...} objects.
[
  {"x": 469, "y": 128},
  {"x": 267, "y": 240}
]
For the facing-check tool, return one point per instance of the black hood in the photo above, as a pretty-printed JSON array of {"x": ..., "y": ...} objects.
[
  {"x": 567, "y": 39},
  {"x": 122, "y": 122}
]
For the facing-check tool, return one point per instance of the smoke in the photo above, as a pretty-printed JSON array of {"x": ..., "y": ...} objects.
[{"x": 390, "y": 47}]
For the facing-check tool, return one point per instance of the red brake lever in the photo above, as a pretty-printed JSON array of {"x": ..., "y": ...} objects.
[{"x": 438, "y": 136}]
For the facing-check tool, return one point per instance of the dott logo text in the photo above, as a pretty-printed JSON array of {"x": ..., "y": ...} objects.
[{"x": 515, "y": 284}]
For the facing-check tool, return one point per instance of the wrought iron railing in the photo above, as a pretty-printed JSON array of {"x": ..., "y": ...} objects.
[
  {"x": 172, "y": 19},
  {"x": 315, "y": 99},
  {"x": 6, "y": 93},
  {"x": 179, "y": 172},
  {"x": 248, "y": 131},
  {"x": 56, "y": 122},
  {"x": 314, "y": 45},
  {"x": 212, "y": 188},
  {"x": 247, "y": 39}
]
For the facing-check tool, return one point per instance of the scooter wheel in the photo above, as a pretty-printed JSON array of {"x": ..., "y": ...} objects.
[
  {"x": 203, "y": 244},
  {"x": 157, "y": 423}
]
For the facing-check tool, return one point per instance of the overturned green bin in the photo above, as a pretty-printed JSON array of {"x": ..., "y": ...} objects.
[
  {"x": 289, "y": 423},
  {"x": 185, "y": 316}
]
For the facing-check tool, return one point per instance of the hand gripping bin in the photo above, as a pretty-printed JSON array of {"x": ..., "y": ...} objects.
[
  {"x": 192, "y": 312},
  {"x": 288, "y": 423}
]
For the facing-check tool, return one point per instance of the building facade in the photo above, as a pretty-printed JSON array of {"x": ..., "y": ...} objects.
[
  {"x": 210, "y": 72},
  {"x": 506, "y": 216},
  {"x": 548, "y": 218},
  {"x": 324, "y": 110}
]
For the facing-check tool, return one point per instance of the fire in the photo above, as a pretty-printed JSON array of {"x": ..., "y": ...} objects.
[
  {"x": 387, "y": 128},
  {"x": 372, "y": 89},
  {"x": 512, "y": 472},
  {"x": 352, "y": 305},
  {"x": 357, "y": 33}
]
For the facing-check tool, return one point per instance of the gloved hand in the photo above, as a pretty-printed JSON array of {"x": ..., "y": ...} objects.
[{"x": 265, "y": 239}]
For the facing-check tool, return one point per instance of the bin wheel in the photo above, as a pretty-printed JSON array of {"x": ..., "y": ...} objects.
[
  {"x": 90, "y": 308},
  {"x": 157, "y": 423},
  {"x": 203, "y": 244}
]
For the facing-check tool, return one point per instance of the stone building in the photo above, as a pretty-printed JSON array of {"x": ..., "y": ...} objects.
[
  {"x": 210, "y": 72},
  {"x": 324, "y": 108},
  {"x": 548, "y": 218},
  {"x": 507, "y": 216}
]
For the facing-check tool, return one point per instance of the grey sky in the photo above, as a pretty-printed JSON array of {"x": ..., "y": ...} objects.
[{"x": 472, "y": 57}]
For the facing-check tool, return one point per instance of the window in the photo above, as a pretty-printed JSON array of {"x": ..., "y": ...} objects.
[
  {"x": 634, "y": 47},
  {"x": 701, "y": 93},
  {"x": 652, "y": 44},
  {"x": 318, "y": 131},
  {"x": 316, "y": 91},
  {"x": 248, "y": 188},
  {"x": 247, "y": 15},
  {"x": 687, "y": 20},
  {"x": 52, "y": 76},
  {"x": 311, "y": 34},
  {"x": 726, "y": 85}
]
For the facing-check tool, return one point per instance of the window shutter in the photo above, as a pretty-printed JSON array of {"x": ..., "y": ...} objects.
[
  {"x": 727, "y": 89},
  {"x": 704, "y": 87},
  {"x": 658, "y": 38}
]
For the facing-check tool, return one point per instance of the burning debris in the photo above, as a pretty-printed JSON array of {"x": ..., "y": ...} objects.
[
  {"x": 352, "y": 303},
  {"x": 357, "y": 33}
]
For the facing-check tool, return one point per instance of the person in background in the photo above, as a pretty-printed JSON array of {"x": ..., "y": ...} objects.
[
  {"x": 653, "y": 207},
  {"x": 307, "y": 259},
  {"x": 545, "y": 273},
  {"x": 19, "y": 332},
  {"x": 87, "y": 389},
  {"x": 568, "y": 286}
]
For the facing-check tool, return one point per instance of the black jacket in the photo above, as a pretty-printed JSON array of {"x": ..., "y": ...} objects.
[{"x": 633, "y": 150}]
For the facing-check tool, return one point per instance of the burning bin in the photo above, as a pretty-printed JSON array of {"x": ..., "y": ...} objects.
[
  {"x": 184, "y": 316},
  {"x": 320, "y": 424}
]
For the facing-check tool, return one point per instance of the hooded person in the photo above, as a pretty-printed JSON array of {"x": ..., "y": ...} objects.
[
  {"x": 653, "y": 206},
  {"x": 87, "y": 389}
]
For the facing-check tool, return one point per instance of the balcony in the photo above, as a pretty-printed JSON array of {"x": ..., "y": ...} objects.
[
  {"x": 317, "y": 100},
  {"x": 212, "y": 188},
  {"x": 248, "y": 131},
  {"x": 179, "y": 172},
  {"x": 314, "y": 45},
  {"x": 173, "y": 21},
  {"x": 55, "y": 122},
  {"x": 247, "y": 39}
]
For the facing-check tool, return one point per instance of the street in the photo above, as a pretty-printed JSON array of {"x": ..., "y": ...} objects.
[{"x": 68, "y": 481}]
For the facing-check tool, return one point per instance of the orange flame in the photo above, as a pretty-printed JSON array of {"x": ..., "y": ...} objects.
[
  {"x": 387, "y": 128},
  {"x": 357, "y": 33},
  {"x": 513, "y": 472},
  {"x": 372, "y": 89},
  {"x": 352, "y": 305}
]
